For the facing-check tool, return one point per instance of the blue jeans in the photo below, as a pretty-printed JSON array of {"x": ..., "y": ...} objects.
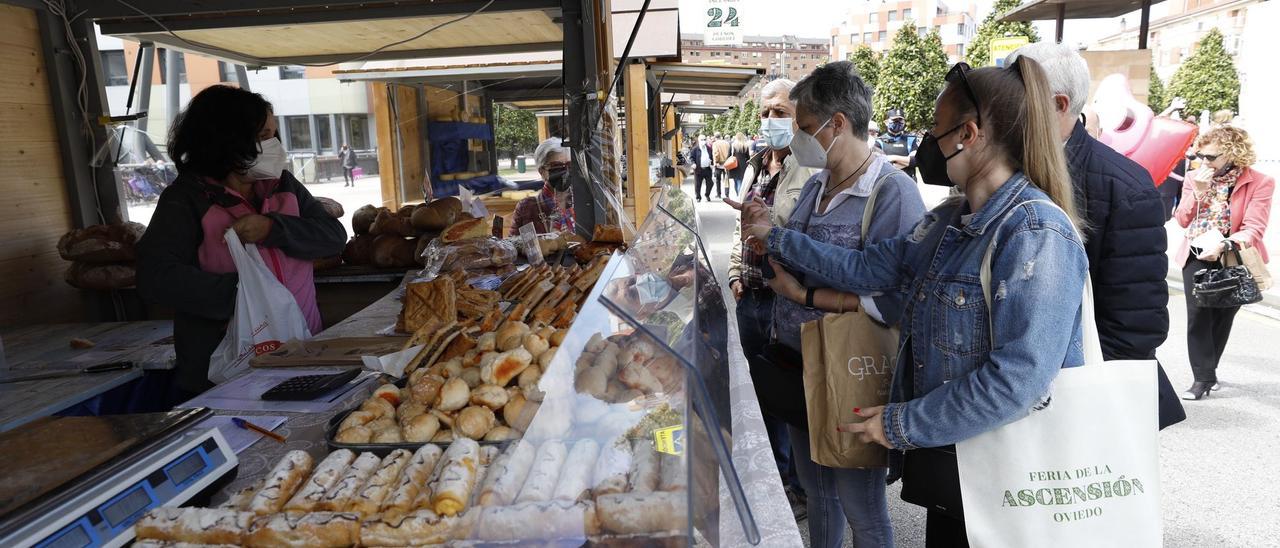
[{"x": 857, "y": 493}]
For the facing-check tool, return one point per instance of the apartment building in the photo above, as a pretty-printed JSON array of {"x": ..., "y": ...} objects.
[
  {"x": 874, "y": 22},
  {"x": 788, "y": 56}
]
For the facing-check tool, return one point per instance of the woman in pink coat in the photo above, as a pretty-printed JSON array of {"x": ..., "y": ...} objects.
[{"x": 1228, "y": 197}]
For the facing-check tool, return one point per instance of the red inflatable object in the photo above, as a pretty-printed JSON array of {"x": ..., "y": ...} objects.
[{"x": 1129, "y": 127}]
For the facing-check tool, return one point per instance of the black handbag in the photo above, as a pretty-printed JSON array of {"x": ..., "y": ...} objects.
[
  {"x": 778, "y": 373},
  {"x": 1225, "y": 286},
  {"x": 931, "y": 479}
]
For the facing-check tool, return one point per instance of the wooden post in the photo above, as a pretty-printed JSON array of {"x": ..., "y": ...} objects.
[
  {"x": 673, "y": 144},
  {"x": 637, "y": 105},
  {"x": 544, "y": 129},
  {"x": 1145, "y": 28},
  {"x": 388, "y": 148}
]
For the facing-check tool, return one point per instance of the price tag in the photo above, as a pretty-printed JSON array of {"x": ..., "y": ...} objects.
[
  {"x": 669, "y": 440},
  {"x": 529, "y": 244}
]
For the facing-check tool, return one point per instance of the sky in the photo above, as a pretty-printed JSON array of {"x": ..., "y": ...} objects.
[{"x": 815, "y": 19}]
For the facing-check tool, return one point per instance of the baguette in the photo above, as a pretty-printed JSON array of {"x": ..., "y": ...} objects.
[{"x": 281, "y": 482}]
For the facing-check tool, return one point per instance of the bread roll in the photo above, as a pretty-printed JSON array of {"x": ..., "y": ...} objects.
[
  {"x": 101, "y": 277},
  {"x": 369, "y": 498},
  {"x": 420, "y": 429},
  {"x": 407, "y": 210},
  {"x": 100, "y": 244},
  {"x": 547, "y": 464},
  {"x": 501, "y": 433},
  {"x": 427, "y": 389},
  {"x": 350, "y": 483},
  {"x": 412, "y": 480},
  {"x": 355, "y": 435},
  {"x": 285, "y": 478},
  {"x": 474, "y": 422},
  {"x": 506, "y": 366},
  {"x": 362, "y": 219},
  {"x": 454, "y": 395},
  {"x": 489, "y": 395},
  {"x": 311, "y": 530},
  {"x": 359, "y": 251},
  {"x": 195, "y": 525},
  {"x": 393, "y": 251},
  {"x": 575, "y": 477},
  {"x": 326, "y": 475},
  {"x": 438, "y": 214}
]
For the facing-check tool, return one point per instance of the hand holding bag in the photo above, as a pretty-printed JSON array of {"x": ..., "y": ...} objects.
[
  {"x": 1226, "y": 286},
  {"x": 266, "y": 316}
]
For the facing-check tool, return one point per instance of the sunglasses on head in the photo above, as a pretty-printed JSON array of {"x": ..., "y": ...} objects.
[
  {"x": 957, "y": 74},
  {"x": 1209, "y": 157}
]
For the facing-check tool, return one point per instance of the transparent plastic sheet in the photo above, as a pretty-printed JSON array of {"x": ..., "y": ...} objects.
[
  {"x": 466, "y": 255},
  {"x": 606, "y": 183}
]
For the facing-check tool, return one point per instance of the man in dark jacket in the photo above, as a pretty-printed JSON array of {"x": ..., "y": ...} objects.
[
  {"x": 703, "y": 164},
  {"x": 1125, "y": 240}
]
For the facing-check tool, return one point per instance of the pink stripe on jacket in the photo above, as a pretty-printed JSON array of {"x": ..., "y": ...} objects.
[{"x": 1250, "y": 212}]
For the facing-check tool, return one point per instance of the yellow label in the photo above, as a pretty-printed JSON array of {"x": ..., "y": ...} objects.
[
  {"x": 1002, "y": 47},
  {"x": 669, "y": 440}
]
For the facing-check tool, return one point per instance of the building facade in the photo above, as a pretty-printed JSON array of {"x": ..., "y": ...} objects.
[
  {"x": 788, "y": 57},
  {"x": 1173, "y": 38},
  {"x": 873, "y": 23}
]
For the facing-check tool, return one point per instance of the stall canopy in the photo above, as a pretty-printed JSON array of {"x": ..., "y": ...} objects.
[
  {"x": 522, "y": 80},
  {"x": 704, "y": 79},
  {"x": 1061, "y": 10},
  {"x": 292, "y": 32}
]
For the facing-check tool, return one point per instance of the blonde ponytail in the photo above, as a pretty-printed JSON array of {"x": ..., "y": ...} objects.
[{"x": 1043, "y": 159}]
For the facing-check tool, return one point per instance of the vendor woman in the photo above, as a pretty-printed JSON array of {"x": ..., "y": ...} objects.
[
  {"x": 231, "y": 174},
  {"x": 551, "y": 210}
]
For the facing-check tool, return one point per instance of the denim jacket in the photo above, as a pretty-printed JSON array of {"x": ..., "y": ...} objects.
[{"x": 963, "y": 384}]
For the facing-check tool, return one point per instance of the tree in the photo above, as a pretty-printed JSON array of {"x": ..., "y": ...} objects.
[
  {"x": 1208, "y": 79},
  {"x": 514, "y": 131},
  {"x": 912, "y": 73},
  {"x": 979, "y": 50},
  {"x": 1155, "y": 93},
  {"x": 867, "y": 62}
]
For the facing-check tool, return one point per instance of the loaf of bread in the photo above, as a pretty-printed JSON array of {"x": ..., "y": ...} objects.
[
  {"x": 437, "y": 215},
  {"x": 359, "y": 250},
  {"x": 101, "y": 277},
  {"x": 101, "y": 243},
  {"x": 466, "y": 229},
  {"x": 331, "y": 206},
  {"x": 362, "y": 219},
  {"x": 395, "y": 224},
  {"x": 392, "y": 251}
]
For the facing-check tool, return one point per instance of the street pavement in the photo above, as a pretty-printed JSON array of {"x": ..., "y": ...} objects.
[{"x": 1218, "y": 467}]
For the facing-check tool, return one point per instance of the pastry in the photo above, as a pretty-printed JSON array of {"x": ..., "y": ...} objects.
[
  {"x": 325, "y": 476},
  {"x": 390, "y": 434},
  {"x": 281, "y": 482},
  {"x": 378, "y": 407},
  {"x": 501, "y": 433},
  {"x": 610, "y": 473},
  {"x": 408, "y": 410},
  {"x": 637, "y": 376},
  {"x": 425, "y": 301},
  {"x": 544, "y": 473},
  {"x": 557, "y": 338},
  {"x": 451, "y": 369},
  {"x": 507, "y": 475},
  {"x": 195, "y": 525},
  {"x": 355, "y": 434},
  {"x": 454, "y": 395},
  {"x": 487, "y": 342},
  {"x": 535, "y": 345},
  {"x": 420, "y": 429},
  {"x": 471, "y": 376},
  {"x": 414, "y": 477},
  {"x": 511, "y": 335},
  {"x": 544, "y": 359},
  {"x": 512, "y": 410},
  {"x": 419, "y": 528},
  {"x": 309, "y": 530},
  {"x": 369, "y": 498},
  {"x": 338, "y": 496},
  {"x": 446, "y": 419},
  {"x": 457, "y": 479},
  {"x": 643, "y": 477},
  {"x": 506, "y": 366},
  {"x": 525, "y": 413},
  {"x": 545, "y": 521},
  {"x": 575, "y": 477},
  {"x": 445, "y": 435},
  {"x": 389, "y": 392},
  {"x": 467, "y": 229},
  {"x": 592, "y": 381},
  {"x": 240, "y": 499},
  {"x": 474, "y": 422},
  {"x": 528, "y": 380},
  {"x": 357, "y": 418},
  {"x": 427, "y": 388},
  {"x": 643, "y": 513},
  {"x": 489, "y": 395}
]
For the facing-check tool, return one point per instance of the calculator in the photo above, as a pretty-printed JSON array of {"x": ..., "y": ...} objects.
[{"x": 309, "y": 387}]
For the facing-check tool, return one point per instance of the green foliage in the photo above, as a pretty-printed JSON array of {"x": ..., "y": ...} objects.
[
  {"x": 1155, "y": 93},
  {"x": 912, "y": 73},
  {"x": 744, "y": 119},
  {"x": 1208, "y": 79},
  {"x": 979, "y": 49},
  {"x": 867, "y": 61},
  {"x": 514, "y": 131}
]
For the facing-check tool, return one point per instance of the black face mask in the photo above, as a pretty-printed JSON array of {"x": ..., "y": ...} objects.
[
  {"x": 932, "y": 161},
  {"x": 558, "y": 178}
]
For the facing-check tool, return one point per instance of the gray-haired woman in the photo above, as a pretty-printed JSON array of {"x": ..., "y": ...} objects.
[{"x": 552, "y": 208}]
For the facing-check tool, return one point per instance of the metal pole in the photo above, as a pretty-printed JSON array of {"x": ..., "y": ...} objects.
[
  {"x": 580, "y": 88},
  {"x": 1145, "y": 28},
  {"x": 172, "y": 84},
  {"x": 242, "y": 77},
  {"x": 148, "y": 55},
  {"x": 1062, "y": 17}
]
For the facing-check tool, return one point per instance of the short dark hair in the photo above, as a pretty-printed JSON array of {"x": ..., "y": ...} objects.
[
  {"x": 836, "y": 87},
  {"x": 218, "y": 132}
]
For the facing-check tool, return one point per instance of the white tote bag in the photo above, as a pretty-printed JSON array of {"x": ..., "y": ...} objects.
[
  {"x": 1084, "y": 471},
  {"x": 266, "y": 315}
]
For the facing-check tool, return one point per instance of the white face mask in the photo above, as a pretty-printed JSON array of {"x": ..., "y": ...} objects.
[
  {"x": 777, "y": 132},
  {"x": 808, "y": 151},
  {"x": 270, "y": 162}
]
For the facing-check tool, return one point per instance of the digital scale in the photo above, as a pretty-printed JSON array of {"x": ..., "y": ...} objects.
[{"x": 72, "y": 482}]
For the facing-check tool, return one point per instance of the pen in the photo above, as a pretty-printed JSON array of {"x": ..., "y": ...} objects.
[{"x": 250, "y": 426}]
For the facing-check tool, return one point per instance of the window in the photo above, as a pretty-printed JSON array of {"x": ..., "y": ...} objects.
[
  {"x": 163, "y": 55},
  {"x": 292, "y": 72},
  {"x": 868, "y": 37},
  {"x": 960, "y": 51},
  {"x": 893, "y": 15},
  {"x": 226, "y": 72},
  {"x": 922, "y": 31},
  {"x": 883, "y": 36},
  {"x": 960, "y": 29},
  {"x": 113, "y": 68},
  {"x": 755, "y": 54},
  {"x": 324, "y": 133},
  {"x": 873, "y": 18},
  {"x": 299, "y": 128},
  {"x": 906, "y": 14},
  {"x": 358, "y": 131}
]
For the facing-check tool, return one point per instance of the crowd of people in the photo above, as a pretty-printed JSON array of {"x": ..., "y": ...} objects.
[{"x": 1029, "y": 179}]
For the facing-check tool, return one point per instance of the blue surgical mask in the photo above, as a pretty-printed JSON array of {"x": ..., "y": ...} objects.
[{"x": 777, "y": 132}]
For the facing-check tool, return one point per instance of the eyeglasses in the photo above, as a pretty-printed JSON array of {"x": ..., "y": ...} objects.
[
  {"x": 557, "y": 165},
  {"x": 1209, "y": 157},
  {"x": 957, "y": 73}
]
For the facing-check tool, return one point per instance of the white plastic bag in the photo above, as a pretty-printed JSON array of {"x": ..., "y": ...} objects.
[
  {"x": 266, "y": 315},
  {"x": 1084, "y": 471}
]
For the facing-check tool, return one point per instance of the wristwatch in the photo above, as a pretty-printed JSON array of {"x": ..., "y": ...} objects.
[{"x": 808, "y": 296}]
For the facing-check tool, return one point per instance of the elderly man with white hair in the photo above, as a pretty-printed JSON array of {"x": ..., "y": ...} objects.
[
  {"x": 1125, "y": 237},
  {"x": 551, "y": 209}
]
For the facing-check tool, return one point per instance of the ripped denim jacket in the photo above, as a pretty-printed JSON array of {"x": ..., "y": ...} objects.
[{"x": 964, "y": 384}]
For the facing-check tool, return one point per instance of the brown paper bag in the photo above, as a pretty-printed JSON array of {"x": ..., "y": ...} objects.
[
  {"x": 848, "y": 362},
  {"x": 1252, "y": 261}
]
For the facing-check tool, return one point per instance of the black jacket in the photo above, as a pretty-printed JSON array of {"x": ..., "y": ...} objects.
[
  {"x": 696, "y": 156},
  {"x": 1126, "y": 244}
]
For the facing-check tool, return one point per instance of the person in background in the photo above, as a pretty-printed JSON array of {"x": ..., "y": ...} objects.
[
  {"x": 741, "y": 150},
  {"x": 873, "y": 134},
  {"x": 551, "y": 210},
  {"x": 1226, "y": 198},
  {"x": 966, "y": 366},
  {"x": 833, "y": 107},
  {"x": 702, "y": 167},
  {"x": 758, "y": 145},
  {"x": 348, "y": 159},
  {"x": 776, "y": 178},
  {"x": 1223, "y": 117},
  {"x": 231, "y": 175},
  {"x": 1125, "y": 237},
  {"x": 722, "y": 151},
  {"x": 897, "y": 144}
]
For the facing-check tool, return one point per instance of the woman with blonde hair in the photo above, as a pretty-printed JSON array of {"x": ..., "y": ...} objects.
[
  {"x": 1226, "y": 204},
  {"x": 741, "y": 152},
  {"x": 966, "y": 365}
]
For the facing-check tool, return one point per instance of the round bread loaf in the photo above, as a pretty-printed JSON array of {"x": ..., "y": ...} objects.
[
  {"x": 331, "y": 206},
  {"x": 363, "y": 219},
  {"x": 437, "y": 215},
  {"x": 359, "y": 250}
]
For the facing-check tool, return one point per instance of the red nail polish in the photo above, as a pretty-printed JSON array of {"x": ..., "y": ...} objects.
[{"x": 857, "y": 409}]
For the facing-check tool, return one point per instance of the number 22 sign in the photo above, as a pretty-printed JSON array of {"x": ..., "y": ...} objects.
[{"x": 722, "y": 25}]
